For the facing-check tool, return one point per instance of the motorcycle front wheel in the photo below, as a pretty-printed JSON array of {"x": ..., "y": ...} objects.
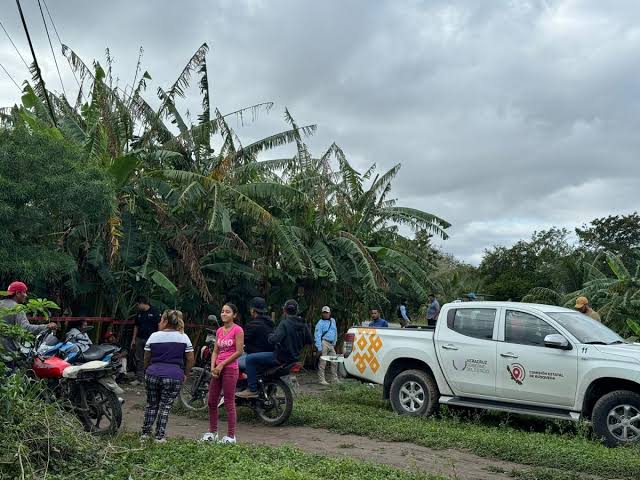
[
  {"x": 103, "y": 412},
  {"x": 277, "y": 407},
  {"x": 195, "y": 390}
]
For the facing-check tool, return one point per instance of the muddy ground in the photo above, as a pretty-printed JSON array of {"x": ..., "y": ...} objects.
[{"x": 450, "y": 463}]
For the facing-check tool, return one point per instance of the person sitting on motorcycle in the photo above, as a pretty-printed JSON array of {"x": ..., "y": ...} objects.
[
  {"x": 17, "y": 294},
  {"x": 76, "y": 335},
  {"x": 257, "y": 331},
  {"x": 291, "y": 334}
]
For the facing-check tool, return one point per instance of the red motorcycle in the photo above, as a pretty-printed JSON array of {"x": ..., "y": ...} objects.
[{"x": 88, "y": 390}]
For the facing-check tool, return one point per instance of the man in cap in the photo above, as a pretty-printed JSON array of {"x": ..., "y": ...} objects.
[
  {"x": 257, "y": 330},
  {"x": 582, "y": 305},
  {"x": 17, "y": 294},
  {"x": 326, "y": 336},
  {"x": 290, "y": 336}
]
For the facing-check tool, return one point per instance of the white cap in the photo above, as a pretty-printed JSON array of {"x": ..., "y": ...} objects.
[{"x": 326, "y": 309}]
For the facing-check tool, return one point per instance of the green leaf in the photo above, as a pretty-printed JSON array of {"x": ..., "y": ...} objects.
[
  {"x": 634, "y": 327},
  {"x": 226, "y": 221},
  {"x": 163, "y": 282},
  {"x": 122, "y": 168},
  {"x": 617, "y": 267}
]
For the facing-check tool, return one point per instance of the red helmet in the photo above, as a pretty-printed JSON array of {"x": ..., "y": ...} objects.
[{"x": 17, "y": 287}]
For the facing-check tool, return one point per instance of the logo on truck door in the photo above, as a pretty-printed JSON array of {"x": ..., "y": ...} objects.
[
  {"x": 367, "y": 346},
  {"x": 517, "y": 372}
]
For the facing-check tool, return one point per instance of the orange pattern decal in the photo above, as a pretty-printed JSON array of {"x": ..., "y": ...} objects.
[{"x": 367, "y": 345}]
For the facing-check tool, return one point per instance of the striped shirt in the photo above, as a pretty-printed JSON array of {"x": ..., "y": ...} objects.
[{"x": 168, "y": 348}]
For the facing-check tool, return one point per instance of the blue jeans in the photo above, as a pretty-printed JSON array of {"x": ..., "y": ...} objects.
[
  {"x": 242, "y": 361},
  {"x": 255, "y": 361}
]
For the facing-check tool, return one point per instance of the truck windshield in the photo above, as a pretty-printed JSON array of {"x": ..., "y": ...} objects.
[{"x": 586, "y": 329}]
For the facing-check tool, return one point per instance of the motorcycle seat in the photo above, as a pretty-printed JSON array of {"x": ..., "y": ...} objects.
[
  {"x": 280, "y": 370},
  {"x": 96, "y": 352}
]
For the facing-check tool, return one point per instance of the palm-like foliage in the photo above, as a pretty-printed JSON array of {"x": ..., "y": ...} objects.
[
  {"x": 349, "y": 231},
  {"x": 198, "y": 217},
  {"x": 615, "y": 293}
]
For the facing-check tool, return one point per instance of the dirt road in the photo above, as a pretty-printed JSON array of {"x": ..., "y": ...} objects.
[{"x": 450, "y": 463}]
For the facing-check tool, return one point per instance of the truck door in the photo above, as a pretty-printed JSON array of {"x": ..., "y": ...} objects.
[
  {"x": 530, "y": 371},
  {"x": 466, "y": 347}
]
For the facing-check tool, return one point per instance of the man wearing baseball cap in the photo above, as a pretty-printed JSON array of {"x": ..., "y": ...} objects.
[
  {"x": 582, "y": 305},
  {"x": 326, "y": 335},
  {"x": 17, "y": 294},
  {"x": 290, "y": 336}
]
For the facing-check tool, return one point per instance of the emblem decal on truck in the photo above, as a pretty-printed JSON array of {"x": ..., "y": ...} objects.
[
  {"x": 517, "y": 372},
  {"x": 367, "y": 346}
]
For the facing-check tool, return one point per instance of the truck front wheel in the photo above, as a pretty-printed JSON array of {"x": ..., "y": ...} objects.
[
  {"x": 414, "y": 392},
  {"x": 616, "y": 418}
]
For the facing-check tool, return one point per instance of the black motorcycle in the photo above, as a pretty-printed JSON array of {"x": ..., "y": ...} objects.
[{"x": 274, "y": 402}]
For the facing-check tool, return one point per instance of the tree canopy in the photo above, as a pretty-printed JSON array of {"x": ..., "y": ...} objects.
[
  {"x": 48, "y": 194},
  {"x": 184, "y": 211}
]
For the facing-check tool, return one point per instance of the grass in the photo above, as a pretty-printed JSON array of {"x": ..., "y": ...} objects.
[
  {"x": 186, "y": 459},
  {"x": 358, "y": 410}
]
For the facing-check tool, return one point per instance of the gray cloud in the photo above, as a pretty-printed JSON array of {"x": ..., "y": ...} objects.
[{"x": 507, "y": 116}]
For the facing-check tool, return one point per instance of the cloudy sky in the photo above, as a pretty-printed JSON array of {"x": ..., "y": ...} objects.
[{"x": 507, "y": 116}]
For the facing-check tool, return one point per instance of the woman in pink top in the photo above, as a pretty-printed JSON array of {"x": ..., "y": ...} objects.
[{"x": 224, "y": 373}]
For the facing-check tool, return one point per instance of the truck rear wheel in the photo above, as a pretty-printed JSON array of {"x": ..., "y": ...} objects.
[
  {"x": 414, "y": 392},
  {"x": 616, "y": 418}
]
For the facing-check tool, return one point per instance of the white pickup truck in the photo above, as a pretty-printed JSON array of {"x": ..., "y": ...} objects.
[{"x": 523, "y": 358}]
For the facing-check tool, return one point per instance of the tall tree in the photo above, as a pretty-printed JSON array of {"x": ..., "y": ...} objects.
[{"x": 617, "y": 234}]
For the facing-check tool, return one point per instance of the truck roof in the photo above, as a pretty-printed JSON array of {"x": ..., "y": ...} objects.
[{"x": 534, "y": 306}]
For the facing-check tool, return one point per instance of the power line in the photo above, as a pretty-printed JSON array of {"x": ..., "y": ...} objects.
[
  {"x": 35, "y": 61},
  {"x": 12, "y": 79},
  {"x": 60, "y": 41},
  {"x": 51, "y": 45},
  {"x": 14, "y": 46}
]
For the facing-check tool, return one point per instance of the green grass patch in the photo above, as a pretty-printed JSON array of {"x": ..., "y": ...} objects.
[
  {"x": 358, "y": 410},
  {"x": 186, "y": 459}
]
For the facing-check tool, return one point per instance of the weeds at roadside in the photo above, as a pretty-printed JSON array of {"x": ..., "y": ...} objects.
[
  {"x": 189, "y": 460},
  {"x": 358, "y": 410}
]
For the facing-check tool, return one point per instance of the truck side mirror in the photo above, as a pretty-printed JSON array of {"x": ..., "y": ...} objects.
[{"x": 557, "y": 341}]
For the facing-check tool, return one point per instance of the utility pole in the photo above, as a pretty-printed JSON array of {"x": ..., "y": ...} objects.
[{"x": 35, "y": 61}]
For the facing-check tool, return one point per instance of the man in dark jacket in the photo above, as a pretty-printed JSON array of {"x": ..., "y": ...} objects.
[
  {"x": 146, "y": 322},
  {"x": 288, "y": 339},
  {"x": 257, "y": 331}
]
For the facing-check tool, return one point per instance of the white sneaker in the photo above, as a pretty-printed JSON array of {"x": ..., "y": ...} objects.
[
  {"x": 231, "y": 440},
  {"x": 210, "y": 437},
  {"x": 323, "y": 382},
  {"x": 144, "y": 437},
  {"x": 161, "y": 440}
]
